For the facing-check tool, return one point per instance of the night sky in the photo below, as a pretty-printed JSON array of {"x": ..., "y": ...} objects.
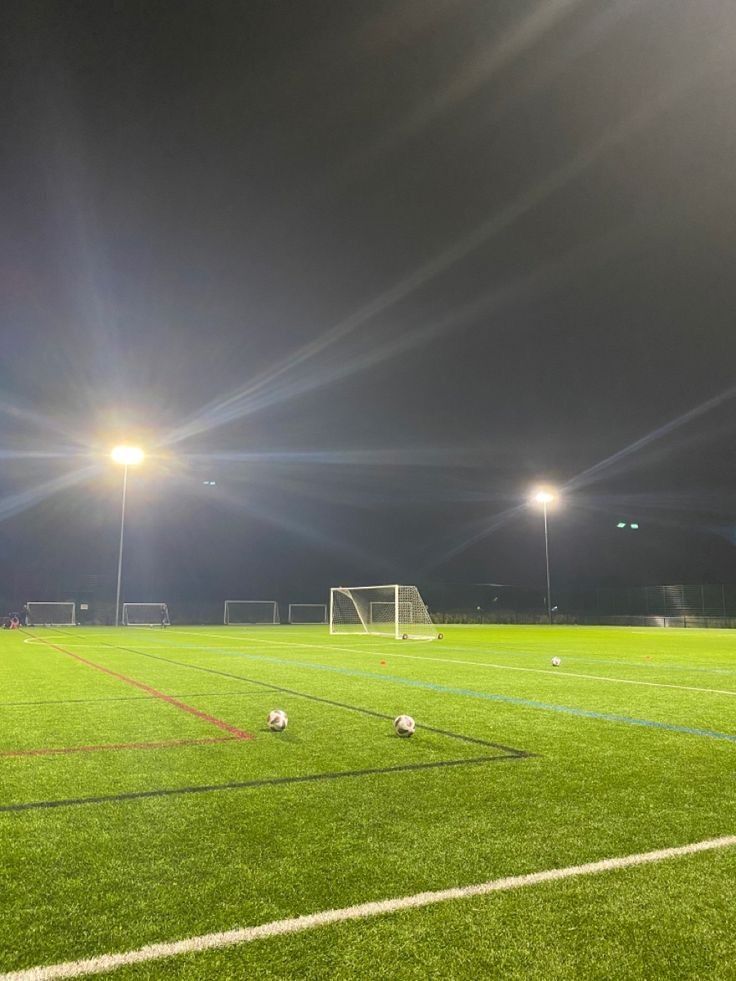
[{"x": 375, "y": 268}]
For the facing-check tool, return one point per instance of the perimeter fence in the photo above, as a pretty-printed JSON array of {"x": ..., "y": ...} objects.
[
  {"x": 681, "y": 605},
  {"x": 706, "y": 605}
]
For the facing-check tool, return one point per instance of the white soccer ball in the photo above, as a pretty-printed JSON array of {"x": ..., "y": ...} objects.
[
  {"x": 404, "y": 725},
  {"x": 556, "y": 662},
  {"x": 277, "y": 720}
]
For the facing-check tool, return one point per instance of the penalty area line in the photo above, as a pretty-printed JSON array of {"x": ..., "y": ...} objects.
[{"x": 362, "y": 911}]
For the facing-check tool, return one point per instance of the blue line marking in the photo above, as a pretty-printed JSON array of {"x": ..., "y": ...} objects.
[{"x": 486, "y": 696}]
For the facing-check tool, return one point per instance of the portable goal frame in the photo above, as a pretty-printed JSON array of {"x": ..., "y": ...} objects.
[
  {"x": 386, "y": 611},
  {"x": 317, "y": 613},
  {"x": 159, "y": 615},
  {"x": 48, "y": 614},
  {"x": 262, "y": 612}
]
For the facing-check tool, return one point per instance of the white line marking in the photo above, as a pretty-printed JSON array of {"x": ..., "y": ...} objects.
[
  {"x": 649, "y": 666},
  {"x": 451, "y": 660},
  {"x": 502, "y": 667},
  {"x": 299, "y": 924}
]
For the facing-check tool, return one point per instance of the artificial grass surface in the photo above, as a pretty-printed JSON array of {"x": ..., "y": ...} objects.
[{"x": 642, "y": 767}]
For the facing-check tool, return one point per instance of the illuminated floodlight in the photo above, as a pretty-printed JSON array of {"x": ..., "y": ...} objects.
[
  {"x": 634, "y": 526},
  {"x": 621, "y": 524},
  {"x": 127, "y": 456},
  {"x": 544, "y": 496}
]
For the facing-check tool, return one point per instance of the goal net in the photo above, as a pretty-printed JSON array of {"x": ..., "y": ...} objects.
[
  {"x": 251, "y": 612},
  {"x": 307, "y": 613},
  {"x": 145, "y": 615},
  {"x": 51, "y": 614},
  {"x": 387, "y": 611}
]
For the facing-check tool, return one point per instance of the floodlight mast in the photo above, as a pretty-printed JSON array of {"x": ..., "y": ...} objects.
[
  {"x": 546, "y": 496},
  {"x": 125, "y": 456}
]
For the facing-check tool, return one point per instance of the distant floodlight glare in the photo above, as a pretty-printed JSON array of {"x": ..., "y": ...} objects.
[
  {"x": 545, "y": 495},
  {"x": 634, "y": 526},
  {"x": 127, "y": 456},
  {"x": 621, "y": 524}
]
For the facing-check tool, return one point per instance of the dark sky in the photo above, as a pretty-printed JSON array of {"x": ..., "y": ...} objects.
[{"x": 375, "y": 268}]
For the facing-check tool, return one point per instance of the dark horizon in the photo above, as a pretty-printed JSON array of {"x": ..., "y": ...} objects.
[{"x": 376, "y": 270}]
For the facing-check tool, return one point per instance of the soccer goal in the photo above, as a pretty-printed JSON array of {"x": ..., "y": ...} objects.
[
  {"x": 145, "y": 615},
  {"x": 51, "y": 614},
  {"x": 307, "y": 613},
  {"x": 247, "y": 613},
  {"x": 387, "y": 611}
]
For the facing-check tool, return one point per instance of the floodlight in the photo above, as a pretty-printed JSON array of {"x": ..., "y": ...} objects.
[
  {"x": 621, "y": 524},
  {"x": 634, "y": 526},
  {"x": 127, "y": 456},
  {"x": 544, "y": 495}
]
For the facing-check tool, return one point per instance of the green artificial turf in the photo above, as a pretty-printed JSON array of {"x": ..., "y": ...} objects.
[{"x": 516, "y": 767}]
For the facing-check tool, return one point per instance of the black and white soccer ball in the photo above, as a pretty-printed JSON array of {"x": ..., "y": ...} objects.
[
  {"x": 404, "y": 726},
  {"x": 556, "y": 662},
  {"x": 277, "y": 720}
]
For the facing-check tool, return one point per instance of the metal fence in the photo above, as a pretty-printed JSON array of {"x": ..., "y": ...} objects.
[
  {"x": 662, "y": 601},
  {"x": 662, "y": 605}
]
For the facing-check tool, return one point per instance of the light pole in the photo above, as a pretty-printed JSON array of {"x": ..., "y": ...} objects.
[
  {"x": 546, "y": 496},
  {"x": 125, "y": 456}
]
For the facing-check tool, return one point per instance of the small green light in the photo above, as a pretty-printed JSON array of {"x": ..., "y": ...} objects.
[
  {"x": 621, "y": 524},
  {"x": 634, "y": 526}
]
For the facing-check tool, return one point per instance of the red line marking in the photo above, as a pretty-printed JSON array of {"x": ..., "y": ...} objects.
[
  {"x": 182, "y": 706},
  {"x": 161, "y": 744}
]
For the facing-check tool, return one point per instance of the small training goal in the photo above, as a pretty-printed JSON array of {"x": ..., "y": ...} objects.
[
  {"x": 51, "y": 614},
  {"x": 307, "y": 613},
  {"x": 386, "y": 611},
  {"x": 145, "y": 615},
  {"x": 246, "y": 613}
]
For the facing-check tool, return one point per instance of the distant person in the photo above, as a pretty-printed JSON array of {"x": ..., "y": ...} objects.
[
  {"x": 164, "y": 617},
  {"x": 15, "y": 622}
]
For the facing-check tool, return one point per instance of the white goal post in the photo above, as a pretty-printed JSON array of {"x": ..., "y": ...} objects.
[
  {"x": 307, "y": 613},
  {"x": 386, "y": 611},
  {"x": 42, "y": 614},
  {"x": 245, "y": 613},
  {"x": 145, "y": 615}
]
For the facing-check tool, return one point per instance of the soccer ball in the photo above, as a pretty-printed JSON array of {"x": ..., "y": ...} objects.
[
  {"x": 404, "y": 726},
  {"x": 556, "y": 662},
  {"x": 277, "y": 720},
  {"x": 440, "y": 636}
]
